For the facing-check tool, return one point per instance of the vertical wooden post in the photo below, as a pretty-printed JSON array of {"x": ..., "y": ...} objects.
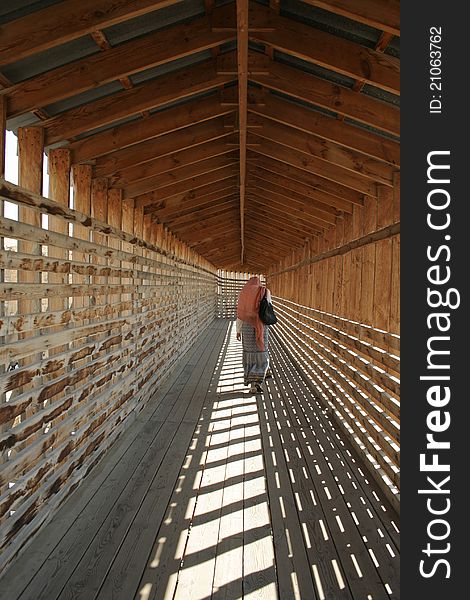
[
  {"x": 357, "y": 256},
  {"x": 81, "y": 182},
  {"x": 115, "y": 220},
  {"x": 30, "y": 162},
  {"x": 3, "y": 115},
  {"x": 395, "y": 291},
  {"x": 138, "y": 233},
  {"x": 3, "y": 120},
  {"x": 59, "y": 190},
  {"x": 99, "y": 211},
  {"x": 383, "y": 261},
  {"x": 368, "y": 265},
  {"x": 127, "y": 224},
  {"x": 159, "y": 243},
  {"x": 146, "y": 233}
]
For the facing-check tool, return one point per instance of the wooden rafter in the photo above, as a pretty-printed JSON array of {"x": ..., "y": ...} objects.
[
  {"x": 322, "y": 169},
  {"x": 173, "y": 163},
  {"x": 320, "y": 150},
  {"x": 66, "y": 21},
  {"x": 325, "y": 94},
  {"x": 128, "y": 134},
  {"x": 100, "y": 39},
  {"x": 208, "y": 202},
  {"x": 288, "y": 202},
  {"x": 264, "y": 219},
  {"x": 298, "y": 222},
  {"x": 155, "y": 148},
  {"x": 328, "y": 128},
  {"x": 200, "y": 214},
  {"x": 293, "y": 166},
  {"x": 242, "y": 59},
  {"x": 219, "y": 250},
  {"x": 295, "y": 193},
  {"x": 381, "y": 14},
  {"x": 298, "y": 168},
  {"x": 213, "y": 169},
  {"x": 189, "y": 197},
  {"x": 210, "y": 223},
  {"x": 264, "y": 250},
  {"x": 115, "y": 63},
  {"x": 274, "y": 236},
  {"x": 311, "y": 186},
  {"x": 160, "y": 91},
  {"x": 188, "y": 185},
  {"x": 326, "y": 50},
  {"x": 201, "y": 235}
]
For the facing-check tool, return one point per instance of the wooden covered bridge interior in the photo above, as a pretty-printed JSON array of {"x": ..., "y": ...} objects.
[{"x": 166, "y": 150}]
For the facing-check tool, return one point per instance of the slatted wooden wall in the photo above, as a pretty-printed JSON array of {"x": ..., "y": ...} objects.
[
  {"x": 339, "y": 316},
  {"x": 94, "y": 313},
  {"x": 229, "y": 285}
]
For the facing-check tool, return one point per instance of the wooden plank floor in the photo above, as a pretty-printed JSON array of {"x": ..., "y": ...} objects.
[{"x": 214, "y": 493}]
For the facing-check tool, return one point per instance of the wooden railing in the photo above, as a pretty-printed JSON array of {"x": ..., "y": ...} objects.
[
  {"x": 354, "y": 369},
  {"x": 108, "y": 314}
]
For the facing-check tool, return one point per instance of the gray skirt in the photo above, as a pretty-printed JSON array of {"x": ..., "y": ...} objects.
[{"x": 255, "y": 362}]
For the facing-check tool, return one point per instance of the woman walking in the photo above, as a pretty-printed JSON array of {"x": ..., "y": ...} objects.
[{"x": 253, "y": 333}]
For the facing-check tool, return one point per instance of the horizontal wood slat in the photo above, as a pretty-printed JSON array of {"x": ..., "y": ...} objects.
[
  {"x": 76, "y": 371},
  {"x": 358, "y": 393}
]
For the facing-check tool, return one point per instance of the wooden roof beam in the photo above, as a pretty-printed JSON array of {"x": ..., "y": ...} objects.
[
  {"x": 66, "y": 21},
  {"x": 260, "y": 246},
  {"x": 321, "y": 189},
  {"x": 268, "y": 252},
  {"x": 321, "y": 150},
  {"x": 136, "y": 157},
  {"x": 274, "y": 238},
  {"x": 281, "y": 148},
  {"x": 187, "y": 186},
  {"x": 301, "y": 161},
  {"x": 166, "y": 121},
  {"x": 160, "y": 91},
  {"x": 281, "y": 186},
  {"x": 277, "y": 157},
  {"x": 381, "y": 14},
  {"x": 209, "y": 250},
  {"x": 100, "y": 39},
  {"x": 213, "y": 169},
  {"x": 235, "y": 243},
  {"x": 288, "y": 230},
  {"x": 326, "y": 50},
  {"x": 115, "y": 63},
  {"x": 328, "y": 128},
  {"x": 209, "y": 223},
  {"x": 291, "y": 206},
  {"x": 242, "y": 60},
  {"x": 380, "y": 46},
  {"x": 318, "y": 91},
  {"x": 210, "y": 201},
  {"x": 199, "y": 236},
  {"x": 318, "y": 47},
  {"x": 174, "y": 162},
  {"x": 189, "y": 198},
  {"x": 297, "y": 223},
  {"x": 199, "y": 214}
]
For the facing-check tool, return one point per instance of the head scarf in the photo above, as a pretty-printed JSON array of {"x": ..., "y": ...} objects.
[{"x": 248, "y": 308}]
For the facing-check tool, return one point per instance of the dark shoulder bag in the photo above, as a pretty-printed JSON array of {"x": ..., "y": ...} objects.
[{"x": 266, "y": 312}]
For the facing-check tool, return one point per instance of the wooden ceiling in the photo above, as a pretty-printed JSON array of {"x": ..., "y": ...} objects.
[{"x": 246, "y": 128}]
